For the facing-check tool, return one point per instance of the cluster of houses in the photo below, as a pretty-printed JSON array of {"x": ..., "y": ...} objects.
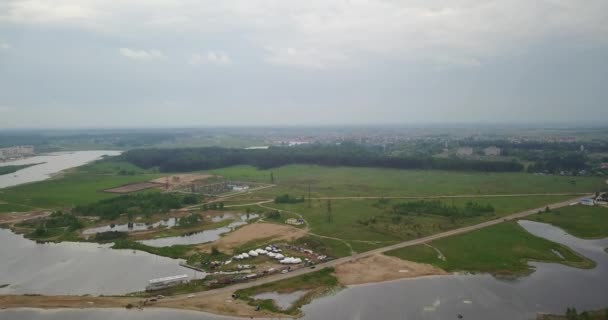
[{"x": 16, "y": 152}]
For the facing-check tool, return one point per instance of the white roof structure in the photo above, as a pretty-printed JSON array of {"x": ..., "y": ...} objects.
[{"x": 169, "y": 279}]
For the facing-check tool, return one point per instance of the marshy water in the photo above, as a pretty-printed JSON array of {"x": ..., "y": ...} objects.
[
  {"x": 551, "y": 288},
  {"x": 136, "y": 226},
  {"x": 49, "y": 164},
  {"x": 202, "y": 236},
  {"x": 282, "y": 300}
]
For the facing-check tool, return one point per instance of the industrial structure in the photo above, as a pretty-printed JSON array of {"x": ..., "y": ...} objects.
[{"x": 166, "y": 282}]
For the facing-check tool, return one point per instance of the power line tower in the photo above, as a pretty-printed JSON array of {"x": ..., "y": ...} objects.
[
  {"x": 329, "y": 216},
  {"x": 309, "y": 199}
]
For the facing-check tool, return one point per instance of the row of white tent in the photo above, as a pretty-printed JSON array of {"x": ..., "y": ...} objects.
[{"x": 275, "y": 255}]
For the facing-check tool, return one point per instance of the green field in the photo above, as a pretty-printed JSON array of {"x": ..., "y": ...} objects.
[
  {"x": 501, "y": 249},
  {"x": 348, "y": 181},
  {"x": 79, "y": 186},
  {"x": 349, "y": 218},
  {"x": 580, "y": 221}
]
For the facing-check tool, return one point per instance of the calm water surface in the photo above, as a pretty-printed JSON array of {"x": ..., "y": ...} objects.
[
  {"x": 200, "y": 237},
  {"x": 53, "y": 163},
  {"x": 77, "y": 268}
]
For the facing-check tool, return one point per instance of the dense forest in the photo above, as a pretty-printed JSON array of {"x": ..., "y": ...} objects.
[{"x": 346, "y": 154}]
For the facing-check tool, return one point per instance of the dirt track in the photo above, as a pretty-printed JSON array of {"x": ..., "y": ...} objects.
[
  {"x": 379, "y": 268},
  {"x": 255, "y": 231}
]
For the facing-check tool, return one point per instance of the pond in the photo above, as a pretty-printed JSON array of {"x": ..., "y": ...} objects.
[
  {"x": 78, "y": 268},
  {"x": 50, "y": 164},
  {"x": 200, "y": 237}
]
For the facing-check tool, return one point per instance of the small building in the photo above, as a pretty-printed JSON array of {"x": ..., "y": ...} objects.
[
  {"x": 464, "y": 151},
  {"x": 492, "y": 151},
  {"x": 588, "y": 202},
  {"x": 295, "y": 222},
  {"x": 166, "y": 282}
]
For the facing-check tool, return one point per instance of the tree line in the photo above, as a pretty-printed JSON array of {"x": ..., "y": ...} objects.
[
  {"x": 346, "y": 154},
  {"x": 135, "y": 204}
]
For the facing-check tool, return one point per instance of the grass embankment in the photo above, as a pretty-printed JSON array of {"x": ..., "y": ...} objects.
[
  {"x": 14, "y": 168},
  {"x": 316, "y": 284},
  {"x": 350, "y": 181},
  {"x": 502, "y": 249},
  {"x": 580, "y": 221},
  {"x": 175, "y": 251}
]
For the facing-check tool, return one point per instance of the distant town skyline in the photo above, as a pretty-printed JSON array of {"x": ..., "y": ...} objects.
[{"x": 171, "y": 64}]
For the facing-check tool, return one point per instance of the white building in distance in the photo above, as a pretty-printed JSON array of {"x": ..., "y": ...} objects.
[
  {"x": 16, "y": 152},
  {"x": 492, "y": 151}
]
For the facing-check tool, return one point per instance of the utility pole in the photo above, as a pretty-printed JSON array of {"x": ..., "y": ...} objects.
[
  {"x": 309, "y": 200},
  {"x": 271, "y": 178},
  {"x": 329, "y": 217}
]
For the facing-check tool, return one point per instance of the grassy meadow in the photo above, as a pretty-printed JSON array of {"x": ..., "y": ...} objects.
[
  {"x": 501, "y": 249},
  {"x": 74, "y": 187},
  {"x": 349, "y": 181},
  {"x": 580, "y": 221},
  {"x": 368, "y": 224}
]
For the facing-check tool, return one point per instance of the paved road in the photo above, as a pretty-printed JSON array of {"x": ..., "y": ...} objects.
[{"x": 400, "y": 245}]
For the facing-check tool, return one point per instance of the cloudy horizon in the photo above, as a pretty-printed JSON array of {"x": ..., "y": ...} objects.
[{"x": 162, "y": 63}]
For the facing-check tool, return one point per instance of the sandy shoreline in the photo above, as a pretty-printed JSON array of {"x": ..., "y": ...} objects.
[{"x": 368, "y": 270}]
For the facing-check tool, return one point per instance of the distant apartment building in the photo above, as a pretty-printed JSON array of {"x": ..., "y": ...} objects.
[
  {"x": 16, "y": 152},
  {"x": 464, "y": 151},
  {"x": 492, "y": 151}
]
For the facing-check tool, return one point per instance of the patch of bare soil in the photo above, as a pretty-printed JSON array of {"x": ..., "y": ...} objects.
[
  {"x": 133, "y": 187},
  {"x": 180, "y": 180},
  {"x": 219, "y": 303},
  {"x": 255, "y": 231},
  {"x": 379, "y": 268},
  {"x": 11, "y": 218},
  {"x": 53, "y": 302}
]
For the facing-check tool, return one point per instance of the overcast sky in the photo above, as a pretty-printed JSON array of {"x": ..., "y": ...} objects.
[{"x": 99, "y": 63}]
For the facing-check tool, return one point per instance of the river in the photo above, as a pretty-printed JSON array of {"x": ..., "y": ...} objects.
[
  {"x": 551, "y": 288},
  {"x": 50, "y": 164}
]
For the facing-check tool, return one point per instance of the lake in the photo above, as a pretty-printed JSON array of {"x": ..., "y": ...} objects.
[
  {"x": 78, "y": 268},
  {"x": 50, "y": 164}
]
